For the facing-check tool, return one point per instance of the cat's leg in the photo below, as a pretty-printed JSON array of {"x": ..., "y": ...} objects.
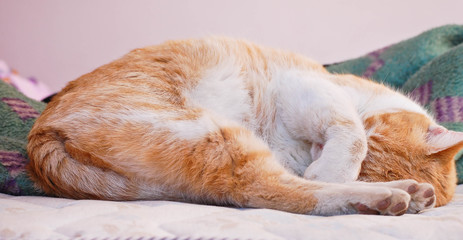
[
  {"x": 316, "y": 110},
  {"x": 341, "y": 154},
  {"x": 233, "y": 166}
]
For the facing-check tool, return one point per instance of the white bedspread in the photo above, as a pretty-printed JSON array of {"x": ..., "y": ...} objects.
[{"x": 54, "y": 218}]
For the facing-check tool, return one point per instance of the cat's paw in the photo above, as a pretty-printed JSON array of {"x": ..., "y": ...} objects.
[
  {"x": 364, "y": 198},
  {"x": 396, "y": 204},
  {"x": 422, "y": 194},
  {"x": 423, "y": 197}
]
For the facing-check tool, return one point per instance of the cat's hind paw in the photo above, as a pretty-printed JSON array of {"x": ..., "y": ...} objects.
[
  {"x": 395, "y": 205},
  {"x": 364, "y": 198},
  {"x": 422, "y": 194},
  {"x": 422, "y": 197}
]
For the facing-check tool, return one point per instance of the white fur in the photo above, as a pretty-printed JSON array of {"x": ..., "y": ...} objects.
[
  {"x": 221, "y": 91},
  {"x": 311, "y": 108}
]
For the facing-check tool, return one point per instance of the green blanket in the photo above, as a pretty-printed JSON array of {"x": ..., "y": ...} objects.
[
  {"x": 429, "y": 67},
  {"x": 17, "y": 114}
]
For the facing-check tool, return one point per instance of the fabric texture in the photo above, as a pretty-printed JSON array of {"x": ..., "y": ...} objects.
[
  {"x": 17, "y": 114},
  {"x": 428, "y": 67}
]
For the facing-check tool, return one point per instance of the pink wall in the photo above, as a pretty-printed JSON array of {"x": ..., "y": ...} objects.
[{"x": 57, "y": 41}]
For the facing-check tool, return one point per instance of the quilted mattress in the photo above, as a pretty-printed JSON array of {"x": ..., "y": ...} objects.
[{"x": 57, "y": 218}]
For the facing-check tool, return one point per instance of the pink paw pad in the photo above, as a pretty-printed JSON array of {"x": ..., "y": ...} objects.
[
  {"x": 399, "y": 207},
  {"x": 412, "y": 189},
  {"x": 384, "y": 204},
  {"x": 363, "y": 209},
  {"x": 430, "y": 202},
  {"x": 428, "y": 193}
]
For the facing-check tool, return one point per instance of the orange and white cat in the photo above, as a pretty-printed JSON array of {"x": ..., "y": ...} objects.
[{"x": 227, "y": 122}]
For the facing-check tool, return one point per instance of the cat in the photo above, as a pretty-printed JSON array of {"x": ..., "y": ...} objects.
[{"x": 228, "y": 122}]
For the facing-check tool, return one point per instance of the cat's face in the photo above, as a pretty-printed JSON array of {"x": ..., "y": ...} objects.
[{"x": 407, "y": 145}]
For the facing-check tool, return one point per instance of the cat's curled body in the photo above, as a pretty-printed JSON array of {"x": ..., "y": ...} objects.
[{"x": 227, "y": 122}]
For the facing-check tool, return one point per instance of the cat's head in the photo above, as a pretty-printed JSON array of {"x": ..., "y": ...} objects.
[{"x": 406, "y": 145}]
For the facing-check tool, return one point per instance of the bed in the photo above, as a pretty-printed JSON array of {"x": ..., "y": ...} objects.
[
  {"x": 36, "y": 217},
  {"x": 433, "y": 76}
]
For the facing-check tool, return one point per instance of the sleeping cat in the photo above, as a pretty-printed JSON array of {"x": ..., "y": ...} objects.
[{"x": 226, "y": 122}]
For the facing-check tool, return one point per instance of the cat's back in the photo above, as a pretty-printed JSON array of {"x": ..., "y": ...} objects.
[{"x": 164, "y": 76}]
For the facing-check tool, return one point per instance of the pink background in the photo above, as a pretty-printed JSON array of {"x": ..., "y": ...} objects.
[{"x": 57, "y": 40}]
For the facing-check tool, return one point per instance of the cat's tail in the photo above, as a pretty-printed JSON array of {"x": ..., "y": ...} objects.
[{"x": 56, "y": 172}]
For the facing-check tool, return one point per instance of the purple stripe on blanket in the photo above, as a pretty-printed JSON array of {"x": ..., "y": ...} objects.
[
  {"x": 14, "y": 162},
  {"x": 10, "y": 160},
  {"x": 10, "y": 186},
  {"x": 8, "y": 153},
  {"x": 422, "y": 94},
  {"x": 20, "y": 107},
  {"x": 448, "y": 109},
  {"x": 374, "y": 66},
  {"x": 15, "y": 102},
  {"x": 450, "y": 106},
  {"x": 376, "y": 63},
  {"x": 378, "y": 52},
  {"x": 440, "y": 115},
  {"x": 27, "y": 115},
  {"x": 459, "y": 109}
]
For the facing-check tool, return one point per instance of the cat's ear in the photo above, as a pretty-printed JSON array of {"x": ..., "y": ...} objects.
[{"x": 440, "y": 139}]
